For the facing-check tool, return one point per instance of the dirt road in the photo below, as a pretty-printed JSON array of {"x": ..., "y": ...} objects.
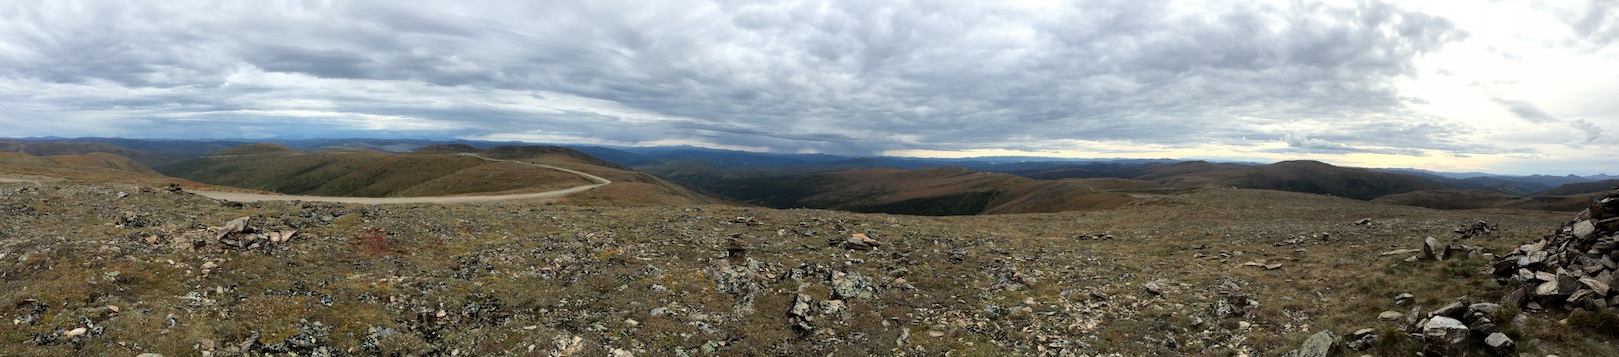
[
  {"x": 27, "y": 179},
  {"x": 252, "y": 197}
]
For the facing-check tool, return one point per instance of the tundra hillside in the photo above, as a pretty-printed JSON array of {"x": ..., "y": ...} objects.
[{"x": 120, "y": 269}]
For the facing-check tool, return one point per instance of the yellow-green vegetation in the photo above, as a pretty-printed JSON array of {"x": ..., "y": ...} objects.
[
  {"x": 367, "y": 173},
  {"x": 513, "y": 278}
]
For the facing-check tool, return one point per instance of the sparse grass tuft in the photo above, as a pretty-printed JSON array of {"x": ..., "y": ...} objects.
[{"x": 1603, "y": 323}]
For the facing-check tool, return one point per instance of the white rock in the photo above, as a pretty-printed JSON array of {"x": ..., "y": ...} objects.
[
  {"x": 1601, "y": 288},
  {"x": 1444, "y": 335},
  {"x": 1390, "y": 315},
  {"x": 1546, "y": 288},
  {"x": 1584, "y": 229},
  {"x": 1499, "y": 342}
]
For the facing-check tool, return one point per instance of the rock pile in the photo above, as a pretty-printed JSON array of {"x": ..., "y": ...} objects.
[
  {"x": 238, "y": 234},
  {"x": 1476, "y": 229},
  {"x": 1435, "y": 249},
  {"x": 1572, "y": 268},
  {"x": 1446, "y": 330}
]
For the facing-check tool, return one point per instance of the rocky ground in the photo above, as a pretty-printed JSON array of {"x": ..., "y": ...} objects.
[{"x": 96, "y": 269}]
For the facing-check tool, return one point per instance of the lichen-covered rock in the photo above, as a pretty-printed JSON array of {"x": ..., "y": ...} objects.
[{"x": 1321, "y": 344}]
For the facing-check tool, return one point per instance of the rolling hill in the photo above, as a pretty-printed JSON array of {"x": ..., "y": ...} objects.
[
  {"x": 1303, "y": 176},
  {"x": 1479, "y": 199},
  {"x": 957, "y": 191},
  {"x": 1580, "y": 188},
  {"x": 91, "y": 167},
  {"x": 54, "y": 148},
  {"x": 435, "y": 170},
  {"x": 931, "y": 192}
]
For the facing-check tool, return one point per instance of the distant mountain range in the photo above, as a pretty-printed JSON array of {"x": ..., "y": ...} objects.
[{"x": 891, "y": 184}]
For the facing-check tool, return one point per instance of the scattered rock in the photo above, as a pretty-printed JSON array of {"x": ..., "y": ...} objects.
[
  {"x": 1399, "y": 252},
  {"x": 801, "y": 314},
  {"x": 75, "y": 332},
  {"x": 1362, "y": 339},
  {"x": 1318, "y": 345},
  {"x": 859, "y": 241},
  {"x": 1476, "y": 229},
  {"x": 852, "y": 285},
  {"x": 1403, "y": 298},
  {"x": 234, "y": 226}
]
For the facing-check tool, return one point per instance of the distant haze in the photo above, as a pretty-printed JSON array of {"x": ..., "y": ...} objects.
[{"x": 1502, "y": 87}]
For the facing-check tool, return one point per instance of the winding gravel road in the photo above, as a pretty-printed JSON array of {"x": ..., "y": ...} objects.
[{"x": 253, "y": 197}]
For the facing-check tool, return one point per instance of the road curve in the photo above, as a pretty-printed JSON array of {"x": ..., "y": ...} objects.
[{"x": 254, "y": 197}]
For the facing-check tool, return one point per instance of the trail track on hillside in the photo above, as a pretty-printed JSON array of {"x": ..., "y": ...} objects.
[{"x": 254, "y": 197}]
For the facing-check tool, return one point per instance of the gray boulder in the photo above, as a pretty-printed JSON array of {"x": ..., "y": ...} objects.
[
  {"x": 1500, "y": 344},
  {"x": 1322, "y": 344},
  {"x": 1444, "y": 336},
  {"x": 1433, "y": 249}
]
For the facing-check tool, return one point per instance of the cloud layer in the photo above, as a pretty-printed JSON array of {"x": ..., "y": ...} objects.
[{"x": 1234, "y": 79}]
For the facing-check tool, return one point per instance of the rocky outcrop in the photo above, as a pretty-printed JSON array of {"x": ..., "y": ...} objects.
[
  {"x": 1446, "y": 331},
  {"x": 1572, "y": 268}
]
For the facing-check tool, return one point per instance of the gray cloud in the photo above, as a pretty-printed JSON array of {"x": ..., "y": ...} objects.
[
  {"x": 1598, "y": 24},
  {"x": 1592, "y": 132},
  {"x": 851, "y": 77},
  {"x": 1528, "y": 111},
  {"x": 1305, "y": 143},
  {"x": 1586, "y": 132}
]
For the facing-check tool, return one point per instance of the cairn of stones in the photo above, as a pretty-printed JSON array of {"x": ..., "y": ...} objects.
[{"x": 1574, "y": 268}]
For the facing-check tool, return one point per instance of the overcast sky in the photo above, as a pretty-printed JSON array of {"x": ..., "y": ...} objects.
[{"x": 1506, "y": 87}]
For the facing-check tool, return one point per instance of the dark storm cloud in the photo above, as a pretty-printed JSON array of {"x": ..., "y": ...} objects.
[{"x": 853, "y": 77}]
